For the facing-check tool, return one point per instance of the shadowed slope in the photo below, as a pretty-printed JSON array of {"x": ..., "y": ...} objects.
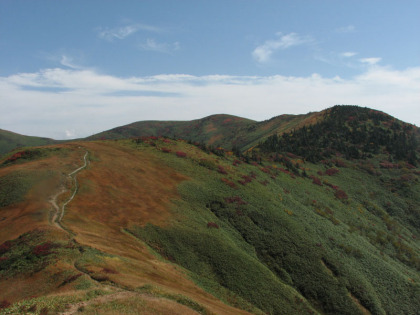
[{"x": 10, "y": 141}]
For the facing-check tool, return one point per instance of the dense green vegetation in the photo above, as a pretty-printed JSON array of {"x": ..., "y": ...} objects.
[
  {"x": 286, "y": 240},
  {"x": 13, "y": 187},
  {"x": 10, "y": 141},
  {"x": 352, "y": 131}
]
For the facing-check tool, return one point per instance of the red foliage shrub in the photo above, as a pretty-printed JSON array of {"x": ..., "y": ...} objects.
[
  {"x": 221, "y": 169},
  {"x": 331, "y": 185},
  {"x": 108, "y": 270},
  {"x": 236, "y": 199},
  {"x": 388, "y": 165},
  {"x": 153, "y": 138},
  {"x": 316, "y": 180},
  {"x": 265, "y": 170},
  {"x": 339, "y": 163},
  {"x": 71, "y": 279},
  {"x": 246, "y": 179},
  {"x": 5, "y": 247},
  {"x": 166, "y": 140},
  {"x": 236, "y": 162},
  {"x": 3, "y": 258},
  {"x": 181, "y": 154},
  {"x": 165, "y": 150},
  {"x": 212, "y": 225},
  {"x": 291, "y": 155},
  {"x": 331, "y": 171},
  {"x": 4, "y": 304},
  {"x": 43, "y": 250},
  {"x": 340, "y": 194},
  {"x": 228, "y": 182},
  {"x": 254, "y": 163},
  {"x": 320, "y": 173},
  {"x": 287, "y": 172}
]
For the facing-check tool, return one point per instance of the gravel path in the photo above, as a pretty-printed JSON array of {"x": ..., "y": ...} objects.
[{"x": 59, "y": 212}]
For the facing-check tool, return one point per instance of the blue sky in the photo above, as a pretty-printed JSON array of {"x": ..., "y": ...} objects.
[{"x": 73, "y": 68}]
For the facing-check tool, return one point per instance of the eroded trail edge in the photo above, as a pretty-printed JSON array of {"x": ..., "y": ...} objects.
[{"x": 59, "y": 212}]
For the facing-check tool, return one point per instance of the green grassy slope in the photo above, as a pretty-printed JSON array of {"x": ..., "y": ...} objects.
[
  {"x": 341, "y": 243},
  {"x": 10, "y": 141}
]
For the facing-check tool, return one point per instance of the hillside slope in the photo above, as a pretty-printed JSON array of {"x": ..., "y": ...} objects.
[
  {"x": 321, "y": 217},
  {"x": 226, "y": 131},
  {"x": 158, "y": 224},
  {"x": 10, "y": 141}
]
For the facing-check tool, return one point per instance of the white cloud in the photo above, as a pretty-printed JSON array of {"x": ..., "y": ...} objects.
[
  {"x": 124, "y": 31},
  {"x": 61, "y": 103},
  {"x": 346, "y": 29},
  {"x": 153, "y": 45},
  {"x": 68, "y": 62},
  {"x": 70, "y": 134},
  {"x": 370, "y": 61},
  {"x": 263, "y": 52},
  {"x": 348, "y": 54}
]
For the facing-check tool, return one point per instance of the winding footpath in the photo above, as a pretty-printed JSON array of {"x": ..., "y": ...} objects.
[{"x": 59, "y": 212}]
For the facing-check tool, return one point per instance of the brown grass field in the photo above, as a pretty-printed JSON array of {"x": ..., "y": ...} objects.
[{"x": 118, "y": 188}]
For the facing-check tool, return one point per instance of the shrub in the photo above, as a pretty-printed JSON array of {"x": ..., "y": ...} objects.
[
  {"x": 228, "y": 182},
  {"x": 5, "y": 247},
  {"x": 236, "y": 162},
  {"x": 221, "y": 169},
  {"x": 181, "y": 154},
  {"x": 208, "y": 164},
  {"x": 331, "y": 171},
  {"x": 236, "y": 199},
  {"x": 265, "y": 170},
  {"x": 43, "y": 249},
  {"x": 165, "y": 150},
  {"x": 339, "y": 163},
  {"x": 4, "y": 304},
  {"x": 340, "y": 194},
  {"x": 316, "y": 180},
  {"x": 212, "y": 225}
]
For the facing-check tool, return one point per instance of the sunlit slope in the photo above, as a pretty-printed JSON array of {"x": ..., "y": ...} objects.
[
  {"x": 159, "y": 224},
  {"x": 226, "y": 131},
  {"x": 92, "y": 256},
  {"x": 10, "y": 141}
]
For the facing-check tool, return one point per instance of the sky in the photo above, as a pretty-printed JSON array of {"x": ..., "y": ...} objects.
[{"x": 69, "y": 69}]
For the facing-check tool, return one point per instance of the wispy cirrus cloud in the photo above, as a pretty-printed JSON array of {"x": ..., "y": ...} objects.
[
  {"x": 153, "y": 45},
  {"x": 370, "y": 61},
  {"x": 122, "y": 32},
  {"x": 64, "y": 103},
  {"x": 68, "y": 61},
  {"x": 348, "y": 54},
  {"x": 346, "y": 29},
  {"x": 264, "y": 52}
]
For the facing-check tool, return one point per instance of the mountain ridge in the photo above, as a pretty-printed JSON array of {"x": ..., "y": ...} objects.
[{"x": 213, "y": 230}]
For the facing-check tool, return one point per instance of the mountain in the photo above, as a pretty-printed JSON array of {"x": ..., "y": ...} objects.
[
  {"x": 10, "y": 141},
  {"x": 222, "y": 130},
  {"x": 157, "y": 225}
]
